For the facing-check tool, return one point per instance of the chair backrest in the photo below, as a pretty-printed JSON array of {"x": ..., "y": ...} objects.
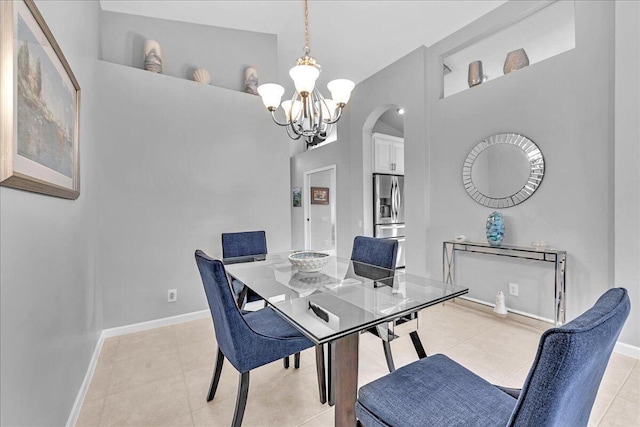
[
  {"x": 566, "y": 373},
  {"x": 232, "y": 332},
  {"x": 243, "y": 244},
  {"x": 378, "y": 252}
]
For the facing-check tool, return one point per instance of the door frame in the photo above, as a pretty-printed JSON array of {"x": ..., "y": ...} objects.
[{"x": 333, "y": 202}]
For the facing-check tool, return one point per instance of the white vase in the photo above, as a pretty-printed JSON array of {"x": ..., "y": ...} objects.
[
  {"x": 152, "y": 56},
  {"x": 500, "y": 307},
  {"x": 251, "y": 80}
]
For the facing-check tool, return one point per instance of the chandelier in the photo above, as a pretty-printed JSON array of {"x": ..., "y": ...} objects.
[{"x": 308, "y": 114}]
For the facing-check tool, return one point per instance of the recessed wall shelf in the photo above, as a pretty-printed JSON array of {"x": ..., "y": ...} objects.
[
  {"x": 546, "y": 31},
  {"x": 559, "y": 258}
]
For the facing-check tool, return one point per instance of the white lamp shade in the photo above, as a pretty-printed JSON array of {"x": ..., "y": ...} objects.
[
  {"x": 328, "y": 109},
  {"x": 271, "y": 94},
  {"x": 304, "y": 77},
  {"x": 341, "y": 90},
  {"x": 291, "y": 110}
]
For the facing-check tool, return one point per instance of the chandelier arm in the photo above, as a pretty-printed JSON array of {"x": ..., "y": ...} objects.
[
  {"x": 273, "y": 116},
  {"x": 295, "y": 136},
  {"x": 338, "y": 115}
]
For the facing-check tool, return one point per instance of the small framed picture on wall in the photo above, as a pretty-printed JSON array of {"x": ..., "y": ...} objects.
[
  {"x": 319, "y": 196},
  {"x": 297, "y": 197}
]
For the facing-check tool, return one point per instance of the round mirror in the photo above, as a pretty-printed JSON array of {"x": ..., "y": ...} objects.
[{"x": 503, "y": 170}]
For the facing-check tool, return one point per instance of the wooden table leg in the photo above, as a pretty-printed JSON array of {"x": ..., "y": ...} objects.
[{"x": 344, "y": 365}]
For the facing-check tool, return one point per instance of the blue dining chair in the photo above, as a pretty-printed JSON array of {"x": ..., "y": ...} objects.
[
  {"x": 559, "y": 390},
  {"x": 247, "y": 339},
  {"x": 246, "y": 246},
  {"x": 242, "y": 247},
  {"x": 382, "y": 253}
]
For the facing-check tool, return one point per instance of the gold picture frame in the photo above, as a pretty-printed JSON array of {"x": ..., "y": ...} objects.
[{"x": 39, "y": 106}]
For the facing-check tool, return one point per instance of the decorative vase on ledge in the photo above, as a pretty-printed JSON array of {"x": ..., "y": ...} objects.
[
  {"x": 515, "y": 60},
  {"x": 152, "y": 56},
  {"x": 475, "y": 76},
  {"x": 495, "y": 229}
]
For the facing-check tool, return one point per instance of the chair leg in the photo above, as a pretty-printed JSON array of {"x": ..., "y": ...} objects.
[
  {"x": 285, "y": 362},
  {"x": 387, "y": 355},
  {"x": 241, "y": 401},
  {"x": 417, "y": 344},
  {"x": 216, "y": 376},
  {"x": 296, "y": 360},
  {"x": 322, "y": 385},
  {"x": 330, "y": 380}
]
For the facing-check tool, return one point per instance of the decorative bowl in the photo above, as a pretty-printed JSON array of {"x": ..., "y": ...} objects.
[{"x": 309, "y": 261}]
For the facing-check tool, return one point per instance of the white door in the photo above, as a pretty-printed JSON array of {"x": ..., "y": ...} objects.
[{"x": 320, "y": 209}]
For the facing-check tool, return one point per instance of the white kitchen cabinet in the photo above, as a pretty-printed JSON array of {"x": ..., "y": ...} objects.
[{"x": 388, "y": 154}]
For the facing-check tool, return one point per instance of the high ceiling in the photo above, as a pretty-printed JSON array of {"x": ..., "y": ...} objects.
[{"x": 350, "y": 39}]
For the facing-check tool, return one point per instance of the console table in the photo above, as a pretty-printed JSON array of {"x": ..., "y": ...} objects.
[{"x": 559, "y": 258}]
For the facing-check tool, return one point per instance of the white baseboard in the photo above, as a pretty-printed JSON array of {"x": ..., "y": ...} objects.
[
  {"x": 157, "y": 323},
  {"x": 627, "y": 350},
  {"x": 84, "y": 387},
  {"x": 122, "y": 330}
]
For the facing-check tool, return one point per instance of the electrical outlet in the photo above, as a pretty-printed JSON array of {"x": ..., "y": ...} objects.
[
  {"x": 326, "y": 243},
  {"x": 513, "y": 289},
  {"x": 172, "y": 295}
]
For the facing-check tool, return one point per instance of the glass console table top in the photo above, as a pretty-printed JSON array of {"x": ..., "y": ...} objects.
[{"x": 342, "y": 298}]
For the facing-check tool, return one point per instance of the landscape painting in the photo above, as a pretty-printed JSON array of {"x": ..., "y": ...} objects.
[
  {"x": 46, "y": 113},
  {"x": 46, "y": 101}
]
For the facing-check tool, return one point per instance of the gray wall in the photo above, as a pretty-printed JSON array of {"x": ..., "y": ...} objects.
[
  {"x": 50, "y": 304},
  {"x": 179, "y": 166},
  {"x": 569, "y": 114},
  {"x": 224, "y": 52},
  {"x": 627, "y": 161}
]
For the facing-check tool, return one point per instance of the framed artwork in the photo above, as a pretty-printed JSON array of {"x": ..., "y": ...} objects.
[
  {"x": 39, "y": 106},
  {"x": 319, "y": 196},
  {"x": 297, "y": 197}
]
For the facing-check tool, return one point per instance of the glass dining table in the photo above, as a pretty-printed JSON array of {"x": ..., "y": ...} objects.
[{"x": 335, "y": 304}]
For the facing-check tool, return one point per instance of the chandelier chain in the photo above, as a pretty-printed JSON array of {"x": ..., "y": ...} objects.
[{"x": 307, "y": 49}]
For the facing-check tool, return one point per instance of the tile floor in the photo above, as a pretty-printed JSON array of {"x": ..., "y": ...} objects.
[{"x": 160, "y": 377}]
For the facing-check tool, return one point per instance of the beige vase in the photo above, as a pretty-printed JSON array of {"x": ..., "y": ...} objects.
[
  {"x": 475, "y": 73},
  {"x": 515, "y": 60}
]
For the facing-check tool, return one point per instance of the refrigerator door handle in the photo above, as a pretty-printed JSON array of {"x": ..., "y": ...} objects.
[{"x": 393, "y": 198}]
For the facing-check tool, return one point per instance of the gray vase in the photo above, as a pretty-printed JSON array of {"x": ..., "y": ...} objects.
[
  {"x": 515, "y": 60},
  {"x": 475, "y": 73}
]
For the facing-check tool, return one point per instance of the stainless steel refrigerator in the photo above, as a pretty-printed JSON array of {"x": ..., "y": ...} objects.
[{"x": 388, "y": 210}]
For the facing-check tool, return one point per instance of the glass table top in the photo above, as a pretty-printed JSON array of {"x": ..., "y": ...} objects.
[{"x": 342, "y": 298}]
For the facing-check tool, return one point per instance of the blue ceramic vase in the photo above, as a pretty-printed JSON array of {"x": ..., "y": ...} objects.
[{"x": 495, "y": 229}]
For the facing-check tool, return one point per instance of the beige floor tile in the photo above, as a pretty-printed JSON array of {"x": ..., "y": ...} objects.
[
  {"x": 522, "y": 341},
  {"x": 499, "y": 350},
  {"x": 133, "y": 372},
  {"x": 617, "y": 372},
  {"x": 517, "y": 379},
  {"x": 100, "y": 382},
  {"x": 146, "y": 342},
  {"x": 185, "y": 420},
  {"x": 148, "y": 405},
  {"x": 326, "y": 419},
  {"x": 198, "y": 354},
  {"x": 109, "y": 351},
  {"x": 288, "y": 401},
  {"x": 498, "y": 367},
  {"x": 91, "y": 413},
  {"x": 623, "y": 412},
  {"x": 196, "y": 330}
]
